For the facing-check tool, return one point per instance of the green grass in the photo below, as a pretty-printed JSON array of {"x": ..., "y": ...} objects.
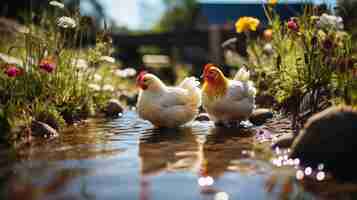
[{"x": 40, "y": 94}]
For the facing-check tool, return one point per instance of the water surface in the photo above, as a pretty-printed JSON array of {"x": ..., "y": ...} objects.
[{"x": 125, "y": 158}]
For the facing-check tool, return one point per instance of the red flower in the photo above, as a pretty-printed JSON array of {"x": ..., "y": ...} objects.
[
  {"x": 13, "y": 71},
  {"x": 293, "y": 25},
  {"x": 48, "y": 65},
  {"x": 354, "y": 73},
  {"x": 328, "y": 44}
]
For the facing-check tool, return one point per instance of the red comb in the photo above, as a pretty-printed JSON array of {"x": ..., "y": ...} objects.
[
  {"x": 141, "y": 75},
  {"x": 207, "y": 66}
]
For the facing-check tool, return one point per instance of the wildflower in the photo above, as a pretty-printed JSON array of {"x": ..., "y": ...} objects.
[
  {"x": 66, "y": 22},
  {"x": 245, "y": 24},
  {"x": 97, "y": 77},
  {"x": 272, "y": 2},
  {"x": 328, "y": 43},
  {"x": 108, "y": 88},
  {"x": 330, "y": 21},
  {"x": 268, "y": 35},
  {"x": 13, "y": 71},
  {"x": 48, "y": 65},
  {"x": 57, "y": 4},
  {"x": 293, "y": 25},
  {"x": 268, "y": 49},
  {"x": 10, "y": 60},
  {"x": 120, "y": 73},
  {"x": 80, "y": 63},
  {"x": 107, "y": 59},
  {"x": 94, "y": 87},
  {"x": 130, "y": 72}
]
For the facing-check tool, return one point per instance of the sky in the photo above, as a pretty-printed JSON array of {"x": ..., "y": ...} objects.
[{"x": 142, "y": 14}]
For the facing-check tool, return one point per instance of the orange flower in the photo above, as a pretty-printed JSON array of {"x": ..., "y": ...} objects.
[
  {"x": 272, "y": 2},
  {"x": 245, "y": 24},
  {"x": 48, "y": 64},
  {"x": 268, "y": 34}
]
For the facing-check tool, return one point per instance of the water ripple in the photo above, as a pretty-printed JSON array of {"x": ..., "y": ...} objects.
[{"x": 102, "y": 159}]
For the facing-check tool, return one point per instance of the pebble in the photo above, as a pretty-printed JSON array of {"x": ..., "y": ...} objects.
[
  {"x": 202, "y": 117},
  {"x": 260, "y": 116},
  {"x": 113, "y": 108}
]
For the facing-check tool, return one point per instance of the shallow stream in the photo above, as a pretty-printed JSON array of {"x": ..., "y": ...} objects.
[{"x": 125, "y": 158}]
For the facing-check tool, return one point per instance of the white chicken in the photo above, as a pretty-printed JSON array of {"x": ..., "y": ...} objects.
[
  {"x": 227, "y": 101},
  {"x": 165, "y": 106}
]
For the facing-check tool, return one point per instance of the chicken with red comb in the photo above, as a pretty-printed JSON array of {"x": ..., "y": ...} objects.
[
  {"x": 166, "y": 106},
  {"x": 227, "y": 101}
]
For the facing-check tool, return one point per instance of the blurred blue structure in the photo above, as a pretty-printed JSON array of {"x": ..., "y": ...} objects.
[
  {"x": 221, "y": 14},
  {"x": 200, "y": 42}
]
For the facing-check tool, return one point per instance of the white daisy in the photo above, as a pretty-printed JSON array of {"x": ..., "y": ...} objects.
[
  {"x": 97, "y": 77},
  {"x": 130, "y": 72},
  {"x": 94, "y": 86},
  {"x": 107, "y": 59},
  {"x": 108, "y": 88},
  {"x": 10, "y": 60},
  {"x": 330, "y": 21},
  {"x": 80, "y": 63},
  {"x": 57, "y": 4},
  {"x": 66, "y": 22}
]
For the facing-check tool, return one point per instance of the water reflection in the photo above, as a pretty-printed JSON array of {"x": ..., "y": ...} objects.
[
  {"x": 182, "y": 149},
  {"x": 22, "y": 184},
  {"x": 208, "y": 156},
  {"x": 168, "y": 149},
  {"x": 224, "y": 148},
  {"x": 126, "y": 158}
]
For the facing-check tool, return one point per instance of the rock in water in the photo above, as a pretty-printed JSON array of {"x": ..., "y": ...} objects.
[
  {"x": 42, "y": 129},
  {"x": 202, "y": 117},
  {"x": 260, "y": 116},
  {"x": 113, "y": 108},
  {"x": 48, "y": 119},
  {"x": 284, "y": 142},
  {"x": 330, "y": 137}
]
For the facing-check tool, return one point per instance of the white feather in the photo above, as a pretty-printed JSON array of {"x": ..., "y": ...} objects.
[
  {"x": 236, "y": 104},
  {"x": 170, "y": 106},
  {"x": 242, "y": 75}
]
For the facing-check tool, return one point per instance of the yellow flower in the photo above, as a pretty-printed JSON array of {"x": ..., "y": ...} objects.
[
  {"x": 272, "y": 2},
  {"x": 247, "y": 23}
]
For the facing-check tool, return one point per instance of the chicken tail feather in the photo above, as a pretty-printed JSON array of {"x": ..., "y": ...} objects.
[
  {"x": 242, "y": 75},
  {"x": 192, "y": 85}
]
